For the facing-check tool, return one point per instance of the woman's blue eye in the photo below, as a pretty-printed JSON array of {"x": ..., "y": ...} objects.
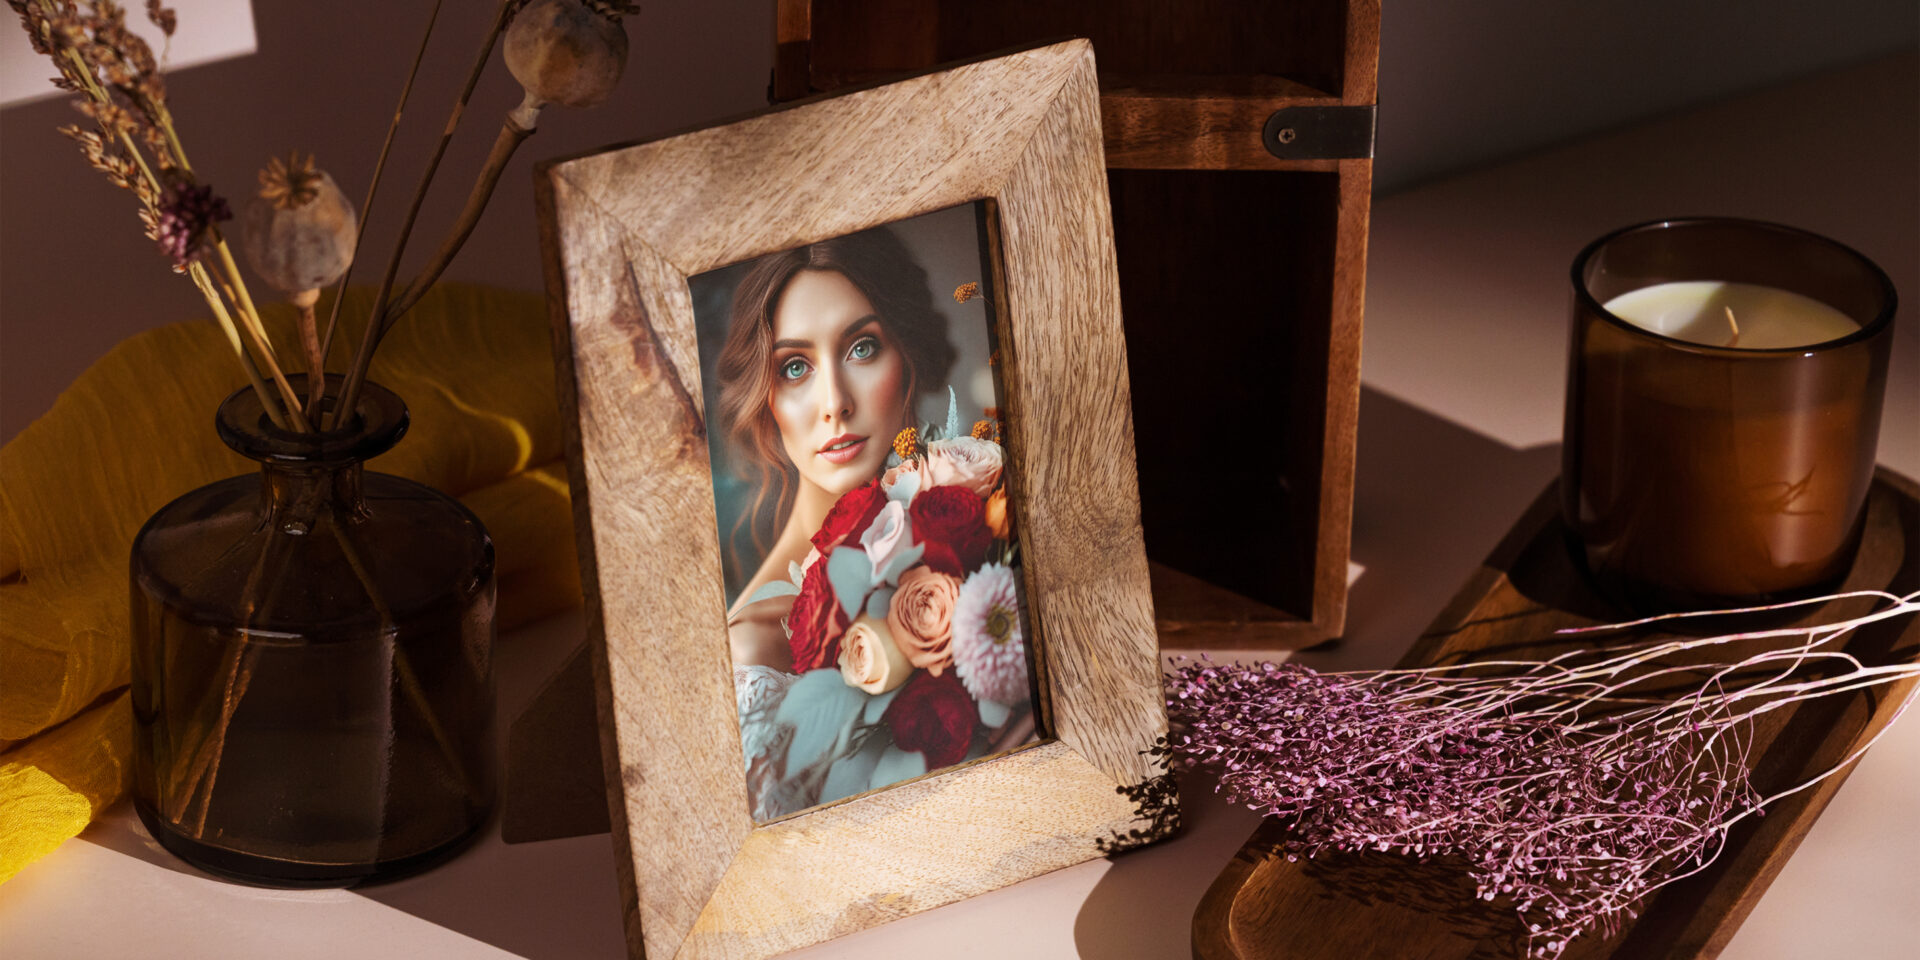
[
  {"x": 864, "y": 348},
  {"x": 793, "y": 369}
]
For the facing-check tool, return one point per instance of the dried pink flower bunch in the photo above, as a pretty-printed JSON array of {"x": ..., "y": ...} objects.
[
  {"x": 570, "y": 52},
  {"x": 187, "y": 215},
  {"x": 1574, "y": 787}
]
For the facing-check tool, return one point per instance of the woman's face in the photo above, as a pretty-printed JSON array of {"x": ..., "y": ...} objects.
[{"x": 839, "y": 381}]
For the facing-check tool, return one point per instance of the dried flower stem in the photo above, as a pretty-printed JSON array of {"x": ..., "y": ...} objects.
[
  {"x": 1571, "y": 786},
  {"x": 198, "y": 271},
  {"x": 309, "y": 326},
  {"x": 99, "y": 58},
  {"x": 350, "y": 390},
  {"x": 509, "y": 140},
  {"x": 373, "y": 186},
  {"x": 237, "y": 292}
]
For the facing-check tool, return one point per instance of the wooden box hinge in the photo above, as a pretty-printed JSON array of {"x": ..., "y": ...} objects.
[{"x": 1320, "y": 133}]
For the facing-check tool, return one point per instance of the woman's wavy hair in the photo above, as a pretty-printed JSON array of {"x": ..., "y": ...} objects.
[{"x": 892, "y": 280}]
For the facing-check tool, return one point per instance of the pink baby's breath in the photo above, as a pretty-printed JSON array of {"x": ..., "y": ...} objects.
[{"x": 1562, "y": 789}]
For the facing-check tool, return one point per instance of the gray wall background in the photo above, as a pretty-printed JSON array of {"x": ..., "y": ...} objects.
[{"x": 1461, "y": 82}]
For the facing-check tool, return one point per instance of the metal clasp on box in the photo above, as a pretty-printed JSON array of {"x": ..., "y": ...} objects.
[{"x": 1320, "y": 133}]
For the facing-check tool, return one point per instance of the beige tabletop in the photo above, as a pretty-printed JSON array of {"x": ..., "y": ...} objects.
[{"x": 1464, "y": 368}]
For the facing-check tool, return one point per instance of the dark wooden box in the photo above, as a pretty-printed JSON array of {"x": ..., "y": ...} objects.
[{"x": 1241, "y": 240}]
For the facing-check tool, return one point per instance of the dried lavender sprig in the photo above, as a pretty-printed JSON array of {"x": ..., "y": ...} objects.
[{"x": 1575, "y": 822}]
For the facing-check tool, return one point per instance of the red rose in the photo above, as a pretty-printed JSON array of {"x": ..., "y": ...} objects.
[
  {"x": 935, "y": 716},
  {"x": 816, "y": 622},
  {"x": 951, "y": 521},
  {"x": 849, "y": 516}
]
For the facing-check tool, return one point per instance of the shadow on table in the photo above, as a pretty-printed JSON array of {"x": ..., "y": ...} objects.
[
  {"x": 552, "y": 900},
  {"x": 1431, "y": 499}
]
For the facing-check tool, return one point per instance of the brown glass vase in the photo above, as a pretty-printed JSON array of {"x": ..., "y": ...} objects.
[{"x": 312, "y": 679}]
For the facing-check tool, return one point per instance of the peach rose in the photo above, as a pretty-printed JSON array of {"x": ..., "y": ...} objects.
[
  {"x": 921, "y": 618},
  {"x": 996, "y": 515},
  {"x": 893, "y": 474},
  {"x": 870, "y": 660},
  {"x": 963, "y": 462},
  {"x": 902, "y": 482}
]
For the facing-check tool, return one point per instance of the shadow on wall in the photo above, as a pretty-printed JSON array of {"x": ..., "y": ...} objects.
[{"x": 1470, "y": 81}]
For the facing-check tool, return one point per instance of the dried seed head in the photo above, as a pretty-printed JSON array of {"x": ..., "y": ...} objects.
[
  {"x": 162, "y": 17},
  {"x": 300, "y": 233},
  {"x": 291, "y": 183},
  {"x": 569, "y": 52}
]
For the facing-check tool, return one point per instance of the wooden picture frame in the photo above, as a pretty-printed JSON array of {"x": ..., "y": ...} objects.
[{"x": 623, "y": 230}]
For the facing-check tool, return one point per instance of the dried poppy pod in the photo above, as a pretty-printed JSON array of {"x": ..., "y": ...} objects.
[
  {"x": 300, "y": 233},
  {"x": 569, "y": 52}
]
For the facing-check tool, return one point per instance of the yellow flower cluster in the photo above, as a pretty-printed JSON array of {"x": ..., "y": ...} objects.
[
  {"x": 966, "y": 291},
  {"x": 986, "y": 430},
  {"x": 905, "y": 442}
]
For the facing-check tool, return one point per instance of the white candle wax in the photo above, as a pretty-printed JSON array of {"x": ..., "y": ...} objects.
[{"x": 1696, "y": 311}]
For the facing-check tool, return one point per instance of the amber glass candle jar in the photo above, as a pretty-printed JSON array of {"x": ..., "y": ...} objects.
[{"x": 1712, "y": 461}]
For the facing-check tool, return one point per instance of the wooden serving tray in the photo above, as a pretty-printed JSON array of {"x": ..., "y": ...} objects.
[{"x": 1358, "y": 906}]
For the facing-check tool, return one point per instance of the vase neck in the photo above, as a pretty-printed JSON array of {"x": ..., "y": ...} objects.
[
  {"x": 297, "y": 496},
  {"x": 308, "y": 477}
]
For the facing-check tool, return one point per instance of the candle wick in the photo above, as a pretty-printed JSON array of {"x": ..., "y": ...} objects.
[{"x": 1735, "y": 324}]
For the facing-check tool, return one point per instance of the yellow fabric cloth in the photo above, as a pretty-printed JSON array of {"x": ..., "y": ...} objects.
[{"x": 136, "y": 430}]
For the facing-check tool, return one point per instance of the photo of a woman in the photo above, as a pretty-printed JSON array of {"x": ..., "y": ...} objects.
[
  {"x": 874, "y": 615},
  {"x": 812, "y": 378}
]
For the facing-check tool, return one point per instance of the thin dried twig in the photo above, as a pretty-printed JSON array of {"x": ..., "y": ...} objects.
[
  {"x": 350, "y": 390},
  {"x": 373, "y": 186},
  {"x": 509, "y": 140}
]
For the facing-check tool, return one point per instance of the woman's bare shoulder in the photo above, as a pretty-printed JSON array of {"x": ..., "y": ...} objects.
[{"x": 757, "y": 633}]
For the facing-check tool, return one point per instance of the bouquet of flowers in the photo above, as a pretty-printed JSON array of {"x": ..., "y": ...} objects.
[{"x": 907, "y": 632}]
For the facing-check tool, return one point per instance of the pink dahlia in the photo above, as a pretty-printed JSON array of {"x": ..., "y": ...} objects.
[{"x": 989, "y": 649}]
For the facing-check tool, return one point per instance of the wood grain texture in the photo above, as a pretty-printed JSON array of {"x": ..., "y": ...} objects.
[
  {"x": 1199, "y": 123},
  {"x": 1297, "y": 39},
  {"x": 1340, "y": 443},
  {"x": 786, "y": 177},
  {"x": 1073, "y": 439},
  {"x": 909, "y": 848},
  {"x": 1529, "y": 587},
  {"x": 1192, "y": 614},
  {"x": 1360, "y": 70},
  {"x": 623, "y": 230},
  {"x": 663, "y": 669}
]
